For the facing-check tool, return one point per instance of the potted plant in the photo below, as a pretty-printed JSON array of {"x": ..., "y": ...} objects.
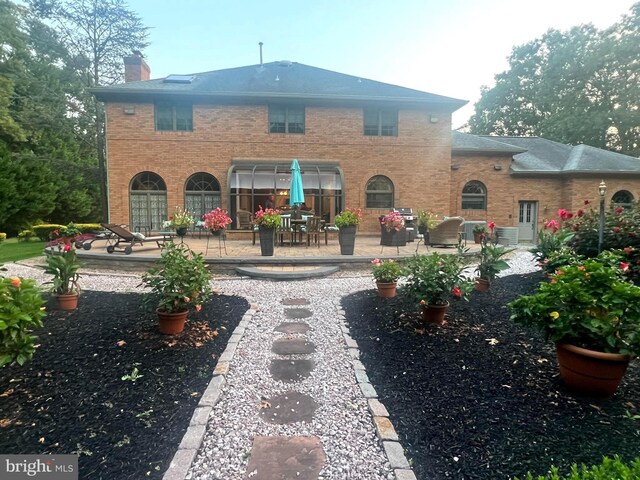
[
  {"x": 347, "y": 221},
  {"x": 426, "y": 221},
  {"x": 432, "y": 280},
  {"x": 216, "y": 221},
  {"x": 179, "y": 281},
  {"x": 392, "y": 230},
  {"x": 491, "y": 263},
  {"x": 180, "y": 221},
  {"x": 386, "y": 274},
  {"x": 479, "y": 232},
  {"x": 63, "y": 265},
  {"x": 267, "y": 221},
  {"x": 593, "y": 315},
  {"x": 65, "y": 234}
]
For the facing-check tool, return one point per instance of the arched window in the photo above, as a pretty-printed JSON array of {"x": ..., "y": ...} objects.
[
  {"x": 148, "y": 202},
  {"x": 474, "y": 196},
  {"x": 379, "y": 192},
  {"x": 201, "y": 194},
  {"x": 622, "y": 198}
]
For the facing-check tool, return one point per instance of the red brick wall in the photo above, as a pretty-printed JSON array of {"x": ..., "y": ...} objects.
[{"x": 417, "y": 160}]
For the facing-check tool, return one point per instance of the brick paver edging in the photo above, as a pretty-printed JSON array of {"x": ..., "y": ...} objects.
[
  {"x": 182, "y": 460},
  {"x": 384, "y": 428}
]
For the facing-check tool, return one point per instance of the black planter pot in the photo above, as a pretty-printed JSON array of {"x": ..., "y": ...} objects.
[
  {"x": 267, "y": 241},
  {"x": 181, "y": 231},
  {"x": 422, "y": 229},
  {"x": 347, "y": 239},
  {"x": 393, "y": 238}
]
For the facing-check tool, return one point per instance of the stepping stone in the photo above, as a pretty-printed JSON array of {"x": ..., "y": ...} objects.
[
  {"x": 285, "y": 458},
  {"x": 292, "y": 346},
  {"x": 295, "y": 301},
  {"x": 293, "y": 327},
  {"x": 291, "y": 370},
  {"x": 298, "y": 313},
  {"x": 289, "y": 407}
]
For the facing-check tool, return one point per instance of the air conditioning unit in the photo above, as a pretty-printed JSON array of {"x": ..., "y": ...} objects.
[{"x": 468, "y": 229}]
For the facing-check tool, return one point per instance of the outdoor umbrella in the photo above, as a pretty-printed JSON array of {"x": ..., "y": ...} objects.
[{"x": 296, "y": 195}]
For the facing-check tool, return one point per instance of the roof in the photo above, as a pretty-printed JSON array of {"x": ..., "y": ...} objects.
[
  {"x": 276, "y": 80},
  {"x": 540, "y": 156}
]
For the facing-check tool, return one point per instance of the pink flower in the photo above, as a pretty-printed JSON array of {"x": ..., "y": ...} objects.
[
  {"x": 562, "y": 213},
  {"x": 619, "y": 210},
  {"x": 628, "y": 249},
  {"x": 187, "y": 299},
  {"x": 491, "y": 225},
  {"x": 15, "y": 282},
  {"x": 552, "y": 225},
  {"x": 198, "y": 308},
  {"x": 616, "y": 229},
  {"x": 624, "y": 266},
  {"x": 456, "y": 291},
  {"x": 422, "y": 302},
  {"x": 67, "y": 248},
  {"x": 376, "y": 262}
]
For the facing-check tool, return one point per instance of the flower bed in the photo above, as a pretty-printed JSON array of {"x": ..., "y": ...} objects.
[
  {"x": 122, "y": 425},
  {"x": 480, "y": 398}
]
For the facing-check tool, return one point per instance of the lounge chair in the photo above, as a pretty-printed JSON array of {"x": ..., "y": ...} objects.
[
  {"x": 446, "y": 232},
  {"x": 126, "y": 239}
]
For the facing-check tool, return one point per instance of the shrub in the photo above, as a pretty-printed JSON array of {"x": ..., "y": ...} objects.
[
  {"x": 3, "y": 237},
  {"x": 557, "y": 259},
  {"x": 20, "y": 312},
  {"x": 44, "y": 230},
  {"x": 386, "y": 271},
  {"x": 25, "y": 235},
  {"x": 64, "y": 266},
  {"x": 550, "y": 239},
  {"x": 609, "y": 469}
]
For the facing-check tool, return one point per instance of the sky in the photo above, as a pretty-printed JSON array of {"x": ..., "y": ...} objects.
[{"x": 446, "y": 47}]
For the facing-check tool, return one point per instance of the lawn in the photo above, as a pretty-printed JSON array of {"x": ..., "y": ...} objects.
[
  {"x": 104, "y": 384},
  {"x": 480, "y": 397},
  {"x": 11, "y": 250}
]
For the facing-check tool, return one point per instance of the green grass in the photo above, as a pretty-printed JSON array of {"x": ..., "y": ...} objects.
[{"x": 12, "y": 250}]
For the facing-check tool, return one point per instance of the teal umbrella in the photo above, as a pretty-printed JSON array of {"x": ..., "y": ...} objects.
[{"x": 296, "y": 195}]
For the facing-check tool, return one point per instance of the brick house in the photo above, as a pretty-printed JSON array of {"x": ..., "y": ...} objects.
[{"x": 227, "y": 138}]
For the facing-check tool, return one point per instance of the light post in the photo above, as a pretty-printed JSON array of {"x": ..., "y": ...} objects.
[{"x": 602, "y": 190}]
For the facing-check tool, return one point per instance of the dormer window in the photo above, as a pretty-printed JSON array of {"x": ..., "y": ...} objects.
[
  {"x": 172, "y": 117},
  {"x": 286, "y": 119}
]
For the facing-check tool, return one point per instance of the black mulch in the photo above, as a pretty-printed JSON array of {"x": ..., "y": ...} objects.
[
  {"x": 71, "y": 397},
  {"x": 481, "y": 398}
]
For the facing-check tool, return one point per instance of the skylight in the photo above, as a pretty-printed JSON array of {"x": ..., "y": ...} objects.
[{"x": 179, "y": 79}]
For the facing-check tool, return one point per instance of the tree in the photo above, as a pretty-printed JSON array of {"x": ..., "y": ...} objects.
[
  {"x": 98, "y": 34},
  {"x": 44, "y": 158},
  {"x": 579, "y": 86}
]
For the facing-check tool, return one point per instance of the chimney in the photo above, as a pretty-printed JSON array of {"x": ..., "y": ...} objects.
[{"x": 135, "y": 68}]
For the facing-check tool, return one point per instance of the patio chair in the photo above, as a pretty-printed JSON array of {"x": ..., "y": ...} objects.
[
  {"x": 243, "y": 220},
  {"x": 312, "y": 230},
  {"x": 126, "y": 239},
  {"x": 285, "y": 230},
  {"x": 446, "y": 233}
]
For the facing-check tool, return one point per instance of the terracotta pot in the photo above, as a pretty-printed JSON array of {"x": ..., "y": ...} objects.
[
  {"x": 482, "y": 285},
  {"x": 591, "y": 372},
  {"x": 434, "y": 313},
  {"x": 68, "y": 302},
  {"x": 477, "y": 238},
  {"x": 387, "y": 290},
  {"x": 172, "y": 323}
]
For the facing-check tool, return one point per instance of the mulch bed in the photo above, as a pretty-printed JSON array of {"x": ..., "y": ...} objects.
[
  {"x": 481, "y": 397},
  {"x": 72, "y": 398}
]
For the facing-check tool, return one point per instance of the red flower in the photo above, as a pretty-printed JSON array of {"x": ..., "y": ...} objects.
[
  {"x": 580, "y": 212},
  {"x": 552, "y": 225},
  {"x": 587, "y": 202},
  {"x": 15, "y": 282},
  {"x": 616, "y": 229},
  {"x": 67, "y": 248},
  {"x": 619, "y": 210},
  {"x": 624, "y": 266},
  {"x": 491, "y": 225},
  {"x": 628, "y": 249},
  {"x": 633, "y": 234},
  {"x": 575, "y": 228},
  {"x": 456, "y": 291}
]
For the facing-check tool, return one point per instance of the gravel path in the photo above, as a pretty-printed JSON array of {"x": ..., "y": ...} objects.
[{"x": 342, "y": 421}]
